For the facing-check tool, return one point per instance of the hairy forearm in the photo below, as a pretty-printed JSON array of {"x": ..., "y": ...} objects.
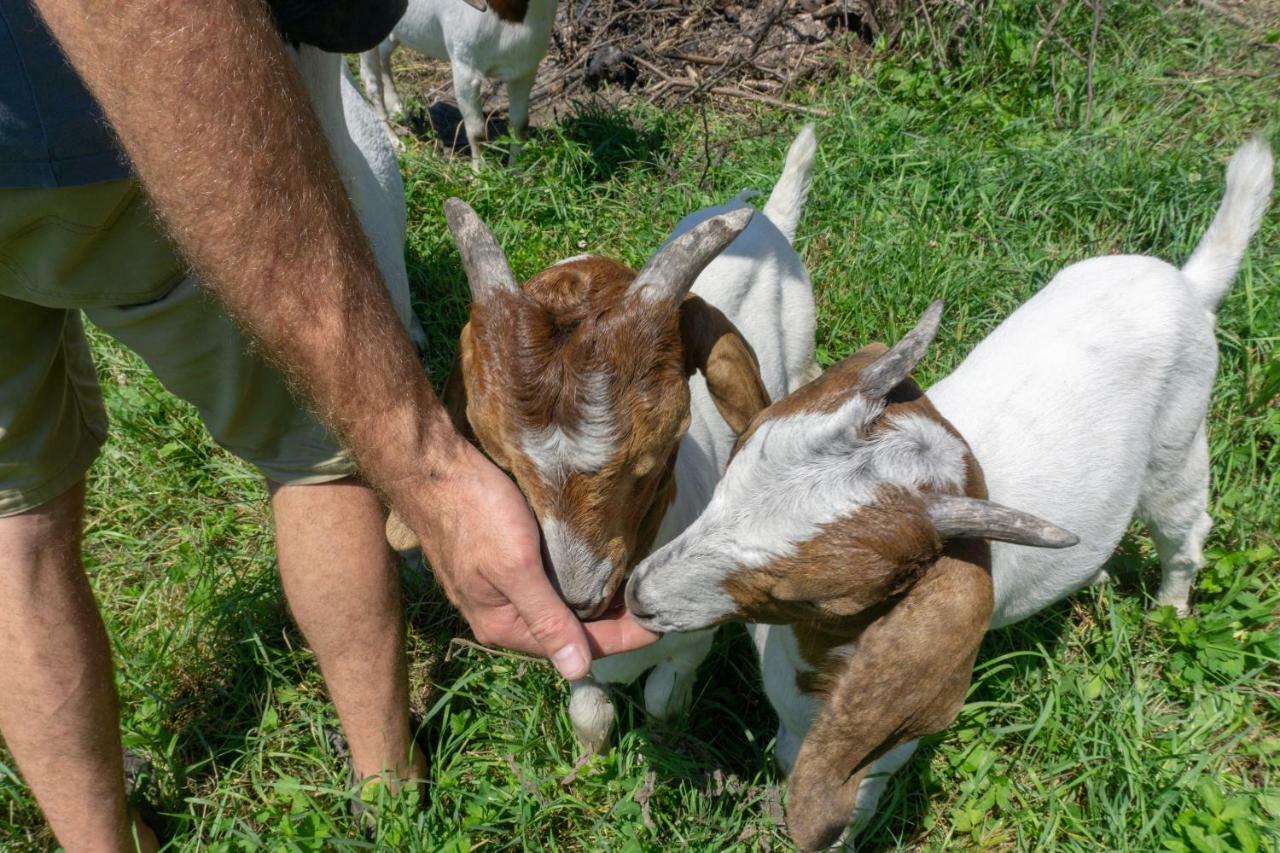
[{"x": 219, "y": 129}]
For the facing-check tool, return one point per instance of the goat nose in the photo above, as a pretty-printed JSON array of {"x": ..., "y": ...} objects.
[{"x": 638, "y": 609}]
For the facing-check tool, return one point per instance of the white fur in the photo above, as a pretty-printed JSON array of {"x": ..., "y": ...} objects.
[
  {"x": 574, "y": 259},
  {"x": 587, "y": 447},
  {"x": 1085, "y": 407},
  {"x": 367, "y": 165},
  {"x": 761, "y": 285},
  {"x": 794, "y": 476},
  {"x": 589, "y": 572},
  {"x": 479, "y": 46}
]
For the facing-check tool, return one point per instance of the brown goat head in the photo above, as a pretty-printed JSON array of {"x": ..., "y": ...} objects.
[{"x": 577, "y": 385}]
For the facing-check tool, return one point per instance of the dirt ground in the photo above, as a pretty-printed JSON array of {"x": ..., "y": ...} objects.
[
  {"x": 735, "y": 52},
  {"x": 665, "y": 52}
]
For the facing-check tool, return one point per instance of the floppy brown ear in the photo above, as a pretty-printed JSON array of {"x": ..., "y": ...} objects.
[
  {"x": 714, "y": 347},
  {"x": 906, "y": 678}
]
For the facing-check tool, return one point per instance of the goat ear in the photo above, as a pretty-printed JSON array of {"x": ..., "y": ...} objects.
[
  {"x": 882, "y": 375},
  {"x": 971, "y": 518},
  {"x": 672, "y": 270},
  {"x": 454, "y": 396},
  {"x": 906, "y": 678},
  {"x": 714, "y": 347},
  {"x": 482, "y": 257}
]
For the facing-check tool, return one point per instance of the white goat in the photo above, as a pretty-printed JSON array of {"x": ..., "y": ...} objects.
[
  {"x": 1086, "y": 406},
  {"x": 503, "y": 40},
  {"x": 367, "y": 165},
  {"x": 582, "y": 385}
]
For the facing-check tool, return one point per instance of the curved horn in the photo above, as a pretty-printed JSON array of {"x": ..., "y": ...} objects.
[
  {"x": 482, "y": 258},
  {"x": 883, "y": 375},
  {"x": 671, "y": 272},
  {"x": 970, "y": 518}
]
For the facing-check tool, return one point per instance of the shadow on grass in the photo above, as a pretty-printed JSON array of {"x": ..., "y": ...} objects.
[
  {"x": 252, "y": 647},
  {"x": 441, "y": 300},
  {"x": 442, "y": 122},
  {"x": 719, "y": 747},
  {"x": 613, "y": 141},
  {"x": 214, "y": 707}
]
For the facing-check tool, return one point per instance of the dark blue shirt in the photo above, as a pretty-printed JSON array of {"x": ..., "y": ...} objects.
[{"x": 52, "y": 133}]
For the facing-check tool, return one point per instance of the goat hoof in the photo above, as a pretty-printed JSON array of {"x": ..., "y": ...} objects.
[
  {"x": 591, "y": 713},
  {"x": 1180, "y": 604}
]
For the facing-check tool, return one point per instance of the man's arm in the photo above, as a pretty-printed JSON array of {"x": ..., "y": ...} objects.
[{"x": 219, "y": 129}]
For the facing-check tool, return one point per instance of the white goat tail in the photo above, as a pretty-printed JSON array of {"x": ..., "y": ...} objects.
[
  {"x": 1214, "y": 263},
  {"x": 786, "y": 202}
]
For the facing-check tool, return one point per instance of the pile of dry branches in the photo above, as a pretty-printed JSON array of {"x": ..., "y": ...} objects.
[{"x": 667, "y": 51}]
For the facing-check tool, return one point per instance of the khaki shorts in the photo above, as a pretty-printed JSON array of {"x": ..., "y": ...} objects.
[{"x": 96, "y": 249}]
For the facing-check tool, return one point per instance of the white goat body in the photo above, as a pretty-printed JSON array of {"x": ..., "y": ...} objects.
[
  {"x": 367, "y": 165},
  {"x": 1086, "y": 407},
  {"x": 479, "y": 46}
]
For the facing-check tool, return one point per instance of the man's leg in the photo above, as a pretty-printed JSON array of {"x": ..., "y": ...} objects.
[
  {"x": 344, "y": 591},
  {"x": 334, "y": 562},
  {"x": 59, "y": 716},
  {"x": 58, "y": 707}
]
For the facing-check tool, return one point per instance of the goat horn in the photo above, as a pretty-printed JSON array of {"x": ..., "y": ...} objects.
[
  {"x": 671, "y": 272},
  {"x": 482, "y": 258},
  {"x": 971, "y": 518},
  {"x": 884, "y": 374}
]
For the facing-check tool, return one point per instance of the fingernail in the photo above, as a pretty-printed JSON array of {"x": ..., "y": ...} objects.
[{"x": 570, "y": 663}]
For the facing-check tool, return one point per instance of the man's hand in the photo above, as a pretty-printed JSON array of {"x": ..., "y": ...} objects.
[
  {"x": 479, "y": 535},
  {"x": 217, "y": 125}
]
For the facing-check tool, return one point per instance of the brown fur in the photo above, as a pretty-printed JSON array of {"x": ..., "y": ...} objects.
[
  {"x": 882, "y": 549},
  {"x": 906, "y": 678},
  {"x": 714, "y": 346},
  {"x": 511, "y": 11},
  {"x": 889, "y": 618},
  {"x": 526, "y": 356}
]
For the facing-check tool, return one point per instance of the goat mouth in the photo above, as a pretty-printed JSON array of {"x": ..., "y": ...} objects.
[
  {"x": 609, "y": 607},
  {"x": 646, "y": 617}
]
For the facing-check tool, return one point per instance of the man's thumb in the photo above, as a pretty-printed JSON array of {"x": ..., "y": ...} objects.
[{"x": 557, "y": 630}]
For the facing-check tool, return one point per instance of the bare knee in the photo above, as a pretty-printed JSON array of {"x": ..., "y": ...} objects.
[{"x": 47, "y": 535}]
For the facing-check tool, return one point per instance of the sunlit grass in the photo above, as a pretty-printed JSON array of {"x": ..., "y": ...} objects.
[{"x": 1094, "y": 725}]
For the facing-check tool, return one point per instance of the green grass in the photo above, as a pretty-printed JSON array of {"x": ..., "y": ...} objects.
[{"x": 1095, "y": 725}]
